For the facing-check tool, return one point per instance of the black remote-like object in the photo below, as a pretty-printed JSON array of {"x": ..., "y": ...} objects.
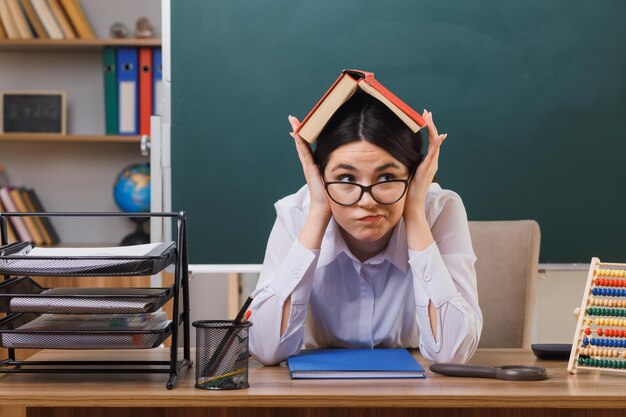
[{"x": 554, "y": 351}]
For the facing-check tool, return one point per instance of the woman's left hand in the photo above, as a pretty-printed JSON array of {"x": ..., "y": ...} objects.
[{"x": 423, "y": 177}]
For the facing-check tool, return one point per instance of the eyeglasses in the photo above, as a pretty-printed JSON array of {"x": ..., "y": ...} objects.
[{"x": 349, "y": 193}]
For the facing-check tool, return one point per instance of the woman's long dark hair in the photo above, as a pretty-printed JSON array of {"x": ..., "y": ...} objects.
[{"x": 363, "y": 117}]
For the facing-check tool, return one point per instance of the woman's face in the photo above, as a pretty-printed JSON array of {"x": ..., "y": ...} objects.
[{"x": 365, "y": 163}]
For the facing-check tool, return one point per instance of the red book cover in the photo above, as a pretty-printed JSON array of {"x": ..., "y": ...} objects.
[
  {"x": 145, "y": 90},
  {"x": 406, "y": 109}
]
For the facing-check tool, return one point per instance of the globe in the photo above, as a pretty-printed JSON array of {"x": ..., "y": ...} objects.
[{"x": 131, "y": 189}]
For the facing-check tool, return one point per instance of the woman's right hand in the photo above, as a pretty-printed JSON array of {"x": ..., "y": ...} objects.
[{"x": 320, "y": 205}]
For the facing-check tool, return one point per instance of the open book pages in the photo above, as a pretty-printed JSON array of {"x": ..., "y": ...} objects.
[{"x": 336, "y": 96}]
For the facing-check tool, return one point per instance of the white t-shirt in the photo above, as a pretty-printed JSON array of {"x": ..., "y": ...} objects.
[{"x": 338, "y": 301}]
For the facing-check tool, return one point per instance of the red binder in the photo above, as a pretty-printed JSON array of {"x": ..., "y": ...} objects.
[{"x": 145, "y": 90}]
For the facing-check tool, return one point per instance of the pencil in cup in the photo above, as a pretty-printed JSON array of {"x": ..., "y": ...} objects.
[
  {"x": 223, "y": 360},
  {"x": 242, "y": 317}
]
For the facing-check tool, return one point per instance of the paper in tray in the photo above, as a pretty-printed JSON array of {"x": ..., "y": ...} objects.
[
  {"x": 124, "y": 260},
  {"x": 82, "y": 341},
  {"x": 92, "y": 300},
  {"x": 84, "y": 331}
]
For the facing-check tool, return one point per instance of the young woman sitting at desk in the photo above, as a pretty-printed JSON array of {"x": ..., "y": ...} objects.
[{"x": 371, "y": 252}]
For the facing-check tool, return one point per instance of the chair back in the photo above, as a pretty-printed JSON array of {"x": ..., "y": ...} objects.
[{"x": 506, "y": 267}]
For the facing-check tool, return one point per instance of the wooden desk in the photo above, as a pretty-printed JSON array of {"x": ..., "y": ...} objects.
[{"x": 272, "y": 392}]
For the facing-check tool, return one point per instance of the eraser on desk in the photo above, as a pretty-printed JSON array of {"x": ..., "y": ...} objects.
[{"x": 557, "y": 351}]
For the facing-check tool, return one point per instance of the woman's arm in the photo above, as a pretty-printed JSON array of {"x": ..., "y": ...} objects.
[
  {"x": 282, "y": 294},
  {"x": 285, "y": 284},
  {"x": 444, "y": 280},
  {"x": 419, "y": 236},
  {"x": 442, "y": 262},
  {"x": 311, "y": 238}
]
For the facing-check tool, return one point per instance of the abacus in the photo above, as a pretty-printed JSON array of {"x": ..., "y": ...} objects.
[{"x": 600, "y": 338}]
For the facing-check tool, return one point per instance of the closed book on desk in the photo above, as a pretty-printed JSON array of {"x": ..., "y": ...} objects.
[{"x": 354, "y": 364}]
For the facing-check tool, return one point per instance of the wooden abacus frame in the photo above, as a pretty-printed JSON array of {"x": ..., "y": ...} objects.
[{"x": 585, "y": 355}]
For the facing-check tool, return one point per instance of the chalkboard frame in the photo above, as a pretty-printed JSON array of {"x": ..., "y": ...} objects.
[{"x": 62, "y": 116}]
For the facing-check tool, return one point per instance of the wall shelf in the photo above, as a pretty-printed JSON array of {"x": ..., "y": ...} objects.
[
  {"x": 44, "y": 137},
  {"x": 56, "y": 44}
]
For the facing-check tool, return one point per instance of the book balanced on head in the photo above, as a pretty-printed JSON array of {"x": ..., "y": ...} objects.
[{"x": 342, "y": 89}]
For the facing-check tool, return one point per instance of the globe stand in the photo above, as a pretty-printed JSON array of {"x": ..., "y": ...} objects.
[{"x": 139, "y": 236}]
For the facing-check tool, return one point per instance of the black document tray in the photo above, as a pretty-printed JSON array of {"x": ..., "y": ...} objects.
[
  {"x": 87, "y": 265},
  {"x": 11, "y": 336},
  {"x": 24, "y": 295}
]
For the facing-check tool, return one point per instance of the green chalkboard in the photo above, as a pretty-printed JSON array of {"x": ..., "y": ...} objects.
[{"x": 532, "y": 94}]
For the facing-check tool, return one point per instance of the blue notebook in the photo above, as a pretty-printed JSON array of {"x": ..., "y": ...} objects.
[{"x": 354, "y": 363}]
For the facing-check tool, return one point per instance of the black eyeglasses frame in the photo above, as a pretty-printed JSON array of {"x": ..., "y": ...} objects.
[{"x": 367, "y": 189}]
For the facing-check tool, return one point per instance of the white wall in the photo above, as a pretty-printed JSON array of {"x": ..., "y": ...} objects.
[{"x": 558, "y": 294}]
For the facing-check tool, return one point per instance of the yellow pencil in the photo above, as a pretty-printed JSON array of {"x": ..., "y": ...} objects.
[{"x": 207, "y": 380}]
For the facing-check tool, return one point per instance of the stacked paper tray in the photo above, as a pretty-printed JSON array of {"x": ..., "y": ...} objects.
[
  {"x": 24, "y": 295},
  {"x": 33, "y": 331},
  {"x": 126, "y": 261}
]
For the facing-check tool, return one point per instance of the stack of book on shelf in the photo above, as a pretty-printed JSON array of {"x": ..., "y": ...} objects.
[
  {"x": 132, "y": 89},
  {"x": 44, "y": 19},
  {"x": 38, "y": 230}
]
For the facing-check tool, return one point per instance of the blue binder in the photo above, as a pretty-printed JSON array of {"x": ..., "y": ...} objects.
[
  {"x": 128, "y": 90},
  {"x": 354, "y": 363},
  {"x": 157, "y": 86}
]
